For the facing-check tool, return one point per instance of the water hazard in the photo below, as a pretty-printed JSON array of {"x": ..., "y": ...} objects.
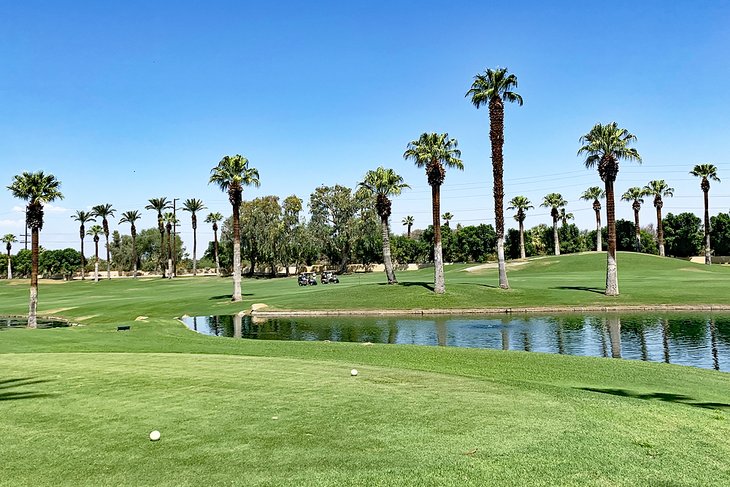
[{"x": 698, "y": 340}]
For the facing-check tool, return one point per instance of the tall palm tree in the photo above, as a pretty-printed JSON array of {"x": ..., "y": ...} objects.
[
  {"x": 194, "y": 205},
  {"x": 521, "y": 204},
  {"x": 636, "y": 195},
  {"x": 83, "y": 217},
  {"x": 384, "y": 183},
  {"x": 604, "y": 146},
  {"x": 447, "y": 217},
  {"x": 493, "y": 88},
  {"x": 160, "y": 205},
  {"x": 706, "y": 172},
  {"x": 214, "y": 218},
  {"x": 565, "y": 216},
  {"x": 595, "y": 193},
  {"x": 104, "y": 212},
  {"x": 94, "y": 231},
  {"x": 170, "y": 221},
  {"x": 8, "y": 240},
  {"x": 131, "y": 217},
  {"x": 554, "y": 201},
  {"x": 659, "y": 189},
  {"x": 231, "y": 174},
  {"x": 408, "y": 222},
  {"x": 37, "y": 189},
  {"x": 433, "y": 151}
]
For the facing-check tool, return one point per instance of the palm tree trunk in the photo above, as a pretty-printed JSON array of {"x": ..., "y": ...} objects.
[
  {"x": 523, "y": 255},
  {"x": 215, "y": 251},
  {"x": 389, "y": 272},
  {"x": 170, "y": 272},
  {"x": 134, "y": 255},
  {"x": 409, "y": 230},
  {"x": 82, "y": 258},
  {"x": 556, "y": 240},
  {"x": 660, "y": 230},
  {"x": 236, "y": 254},
  {"x": 611, "y": 266},
  {"x": 33, "y": 305},
  {"x": 10, "y": 267},
  {"x": 195, "y": 249},
  {"x": 108, "y": 259},
  {"x": 638, "y": 230},
  {"x": 496, "y": 137},
  {"x": 439, "y": 285},
  {"x": 708, "y": 252},
  {"x": 599, "y": 244}
]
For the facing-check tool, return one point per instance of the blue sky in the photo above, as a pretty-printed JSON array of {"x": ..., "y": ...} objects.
[{"x": 132, "y": 100}]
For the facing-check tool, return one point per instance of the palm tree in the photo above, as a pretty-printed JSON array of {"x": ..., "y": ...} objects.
[
  {"x": 554, "y": 201},
  {"x": 232, "y": 174},
  {"x": 170, "y": 221},
  {"x": 94, "y": 231},
  {"x": 595, "y": 193},
  {"x": 604, "y": 146},
  {"x": 521, "y": 204},
  {"x": 706, "y": 172},
  {"x": 493, "y": 87},
  {"x": 432, "y": 151},
  {"x": 103, "y": 212},
  {"x": 8, "y": 240},
  {"x": 83, "y": 217},
  {"x": 659, "y": 189},
  {"x": 160, "y": 205},
  {"x": 131, "y": 217},
  {"x": 565, "y": 216},
  {"x": 194, "y": 205},
  {"x": 636, "y": 195},
  {"x": 37, "y": 189},
  {"x": 384, "y": 183},
  {"x": 408, "y": 222},
  {"x": 214, "y": 218},
  {"x": 447, "y": 217}
]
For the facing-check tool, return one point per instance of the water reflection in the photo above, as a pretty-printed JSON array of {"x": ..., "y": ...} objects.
[{"x": 699, "y": 340}]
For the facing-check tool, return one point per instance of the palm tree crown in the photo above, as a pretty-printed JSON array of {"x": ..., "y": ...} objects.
[
  {"x": 193, "y": 205},
  {"x": 707, "y": 172},
  {"x": 554, "y": 201},
  {"x": 131, "y": 217},
  {"x": 593, "y": 193},
  {"x": 604, "y": 146},
  {"x": 233, "y": 173},
  {"x": 383, "y": 183},
  {"x": 37, "y": 189},
  {"x": 634, "y": 194},
  {"x": 83, "y": 217},
  {"x": 493, "y": 83},
  {"x": 432, "y": 151},
  {"x": 521, "y": 204},
  {"x": 214, "y": 218},
  {"x": 658, "y": 189}
]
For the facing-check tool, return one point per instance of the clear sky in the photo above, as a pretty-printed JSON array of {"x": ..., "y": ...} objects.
[{"x": 125, "y": 101}]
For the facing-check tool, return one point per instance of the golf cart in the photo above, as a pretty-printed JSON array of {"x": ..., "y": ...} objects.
[
  {"x": 329, "y": 277},
  {"x": 307, "y": 279}
]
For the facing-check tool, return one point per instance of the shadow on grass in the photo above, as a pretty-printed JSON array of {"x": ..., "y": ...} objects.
[
  {"x": 582, "y": 288},
  {"x": 660, "y": 396},
  {"x": 6, "y": 384},
  {"x": 226, "y": 297},
  {"x": 412, "y": 283}
]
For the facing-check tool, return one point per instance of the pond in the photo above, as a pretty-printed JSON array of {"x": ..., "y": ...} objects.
[
  {"x": 700, "y": 340},
  {"x": 18, "y": 322}
]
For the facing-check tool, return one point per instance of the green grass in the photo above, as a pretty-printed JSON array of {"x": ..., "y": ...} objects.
[{"x": 414, "y": 415}]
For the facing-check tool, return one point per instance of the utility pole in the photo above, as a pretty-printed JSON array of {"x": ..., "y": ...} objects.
[{"x": 174, "y": 236}]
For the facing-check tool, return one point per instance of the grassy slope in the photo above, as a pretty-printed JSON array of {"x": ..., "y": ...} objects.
[{"x": 408, "y": 419}]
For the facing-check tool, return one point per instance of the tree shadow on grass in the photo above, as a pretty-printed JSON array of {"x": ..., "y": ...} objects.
[
  {"x": 660, "y": 396},
  {"x": 226, "y": 297},
  {"x": 582, "y": 288},
  {"x": 422, "y": 284},
  {"x": 6, "y": 395}
]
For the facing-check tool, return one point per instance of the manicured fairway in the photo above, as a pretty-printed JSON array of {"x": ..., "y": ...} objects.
[{"x": 241, "y": 412}]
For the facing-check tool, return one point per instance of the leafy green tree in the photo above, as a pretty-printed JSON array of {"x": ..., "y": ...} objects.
[
  {"x": 94, "y": 231},
  {"x": 659, "y": 189},
  {"x": 595, "y": 193},
  {"x": 260, "y": 231},
  {"x": 291, "y": 209},
  {"x": 59, "y": 262},
  {"x": 555, "y": 202},
  {"x": 131, "y": 217},
  {"x": 83, "y": 217},
  {"x": 37, "y": 189},
  {"x": 8, "y": 240},
  {"x": 493, "y": 88},
  {"x": 475, "y": 243},
  {"x": 706, "y": 172},
  {"x": 160, "y": 205},
  {"x": 214, "y": 218},
  {"x": 720, "y": 230},
  {"x": 604, "y": 146},
  {"x": 407, "y": 250},
  {"x": 434, "y": 151},
  {"x": 521, "y": 204},
  {"x": 683, "y": 235},
  {"x": 636, "y": 195},
  {"x": 384, "y": 183},
  {"x": 193, "y": 206},
  {"x": 104, "y": 212},
  {"x": 23, "y": 263},
  {"x": 231, "y": 174},
  {"x": 408, "y": 222}
]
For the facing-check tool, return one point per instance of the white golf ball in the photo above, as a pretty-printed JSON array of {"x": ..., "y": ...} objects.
[
  {"x": 353, "y": 372},
  {"x": 155, "y": 435}
]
